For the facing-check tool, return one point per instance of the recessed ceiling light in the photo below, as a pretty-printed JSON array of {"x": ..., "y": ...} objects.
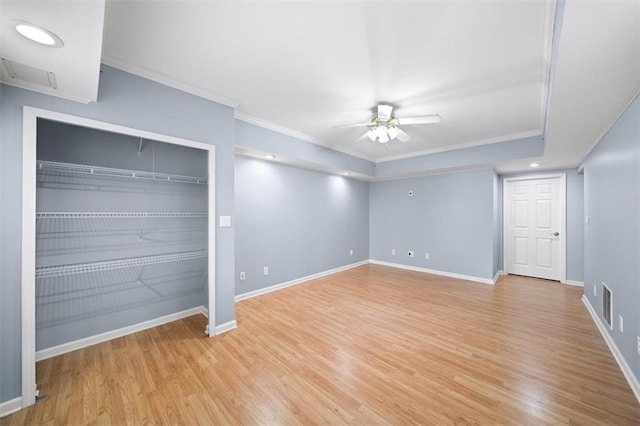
[
  {"x": 38, "y": 34},
  {"x": 270, "y": 157},
  {"x": 534, "y": 165}
]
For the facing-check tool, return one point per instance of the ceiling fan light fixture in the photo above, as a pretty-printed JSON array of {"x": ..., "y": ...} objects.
[
  {"x": 38, "y": 34},
  {"x": 384, "y": 126},
  {"x": 393, "y": 132},
  {"x": 384, "y": 112},
  {"x": 381, "y": 131},
  {"x": 371, "y": 134}
]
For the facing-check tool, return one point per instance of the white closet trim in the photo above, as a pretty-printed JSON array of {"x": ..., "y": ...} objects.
[{"x": 29, "y": 133}]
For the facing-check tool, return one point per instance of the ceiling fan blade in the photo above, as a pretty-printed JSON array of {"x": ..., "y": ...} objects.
[
  {"x": 423, "y": 119},
  {"x": 403, "y": 136},
  {"x": 363, "y": 137},
  {"x": 344, "y": 126}
]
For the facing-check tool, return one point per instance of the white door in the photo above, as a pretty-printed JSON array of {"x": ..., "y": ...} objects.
[{"x": 534, "y": 227}]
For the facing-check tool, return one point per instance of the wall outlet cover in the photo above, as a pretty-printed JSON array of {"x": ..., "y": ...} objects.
[
  {"x": 351, "y": 252},
  {"x": 621, "y": 322},
  {"x": 393, "y": 251},
  {"x": 242, "y": 276},
  {"x": 266, "y": 270},
  {"x": 427, "y": 256}
]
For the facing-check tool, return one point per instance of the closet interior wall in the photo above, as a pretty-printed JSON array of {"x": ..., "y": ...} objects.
[{"x": 121, "y": 231}]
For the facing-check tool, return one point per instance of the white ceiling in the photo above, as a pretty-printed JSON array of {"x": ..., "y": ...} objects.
[
  {"x": 597, "y": 76},
  {"x": 308, "y": 66},
  {"x": 303, "y": 67},
  {"x": 77, "y": 65}
]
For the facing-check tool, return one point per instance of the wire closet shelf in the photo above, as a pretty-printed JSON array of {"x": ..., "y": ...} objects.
[
  {"x": 87, "y": 267},
  {"x": 82, "y": 169},
  {"x": 115, "y": 215}
]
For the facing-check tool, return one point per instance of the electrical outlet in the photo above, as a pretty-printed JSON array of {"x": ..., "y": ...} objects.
[
  {"x": 426, "y": 256},
  {"x": 266, "y": 270},
  {"x": 410, "y": 253},
  {"x": 393, "y": 251},
  {"x": 621, "y": 322},
  {"x": 351, "y": 252},
  {"x": 242, "y": 276}
]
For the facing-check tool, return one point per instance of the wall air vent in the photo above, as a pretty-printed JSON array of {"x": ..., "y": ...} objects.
[
  {"x": 25, "y": 73},
  {"x": 607, "y": 305}
]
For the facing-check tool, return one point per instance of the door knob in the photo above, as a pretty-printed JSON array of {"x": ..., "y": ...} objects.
[{"x": 555, "y": 234}]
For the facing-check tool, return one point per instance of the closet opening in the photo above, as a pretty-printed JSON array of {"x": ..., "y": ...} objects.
[{"x": 118, "y": 234}]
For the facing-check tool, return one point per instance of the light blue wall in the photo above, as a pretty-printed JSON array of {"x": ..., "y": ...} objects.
[
  {"x": 477, "y": 157},
  {"x": 449, "y": 216},
  {"x": 575, "y": 220},
  {"x": 129, "y": 101},
  {"x": 297, "y": 222},
  {"x": 259, "y": 138},
  {"x": 612, "y": 237}
]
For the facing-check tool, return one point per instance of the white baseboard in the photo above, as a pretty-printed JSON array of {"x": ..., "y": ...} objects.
[
  {"x": 574, "y": 283},
  {"x": 11, "y": 406},
  {"x": 497, "y": 275},
  {"x": 227, "y": 326},
  {"x": 297, "y": 281},
  {"x": 114, "y": 334},
  {"x": 434, "y": 272},
  {"x": 222, "y": 328},
  {"x": 617, "y": 355}
]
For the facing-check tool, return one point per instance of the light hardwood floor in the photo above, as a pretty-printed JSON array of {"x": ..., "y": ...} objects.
[{"x": 372, "y": 345}]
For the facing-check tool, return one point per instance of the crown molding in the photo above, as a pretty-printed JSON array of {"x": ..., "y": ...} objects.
[
  {"x": 296, "y": 134},
  {"x": 247, "y": 118},
  {"x": 256, "y": 121},
  {"x": 634, "y": 95},
  {"x": 549, "y": 22},
  {"x": 497, "y": 139},
  {"x": 168, "y": 80}
]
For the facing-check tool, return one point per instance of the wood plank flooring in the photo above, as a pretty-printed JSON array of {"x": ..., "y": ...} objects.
[{"x": 372, "y": 345}]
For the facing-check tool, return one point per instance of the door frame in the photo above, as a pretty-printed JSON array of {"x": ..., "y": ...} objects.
[
  {"x": 563, "y": 218},
  {"x": 30, "y": 117}
]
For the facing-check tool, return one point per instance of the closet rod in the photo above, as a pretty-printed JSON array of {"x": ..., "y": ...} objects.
[
  {"x": 86, "y": 267},
  {"x": 111, "y": 172},
  {"x": 113, "y": 215}
]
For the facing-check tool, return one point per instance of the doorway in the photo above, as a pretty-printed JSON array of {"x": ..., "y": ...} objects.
[{"x": 535, "y": 226}]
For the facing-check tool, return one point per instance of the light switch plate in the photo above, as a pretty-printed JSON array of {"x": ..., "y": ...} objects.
[{"x": 224, "y": 221}]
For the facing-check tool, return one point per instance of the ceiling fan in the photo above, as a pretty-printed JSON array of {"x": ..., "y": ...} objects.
[{"x": 384, "y": 127}]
